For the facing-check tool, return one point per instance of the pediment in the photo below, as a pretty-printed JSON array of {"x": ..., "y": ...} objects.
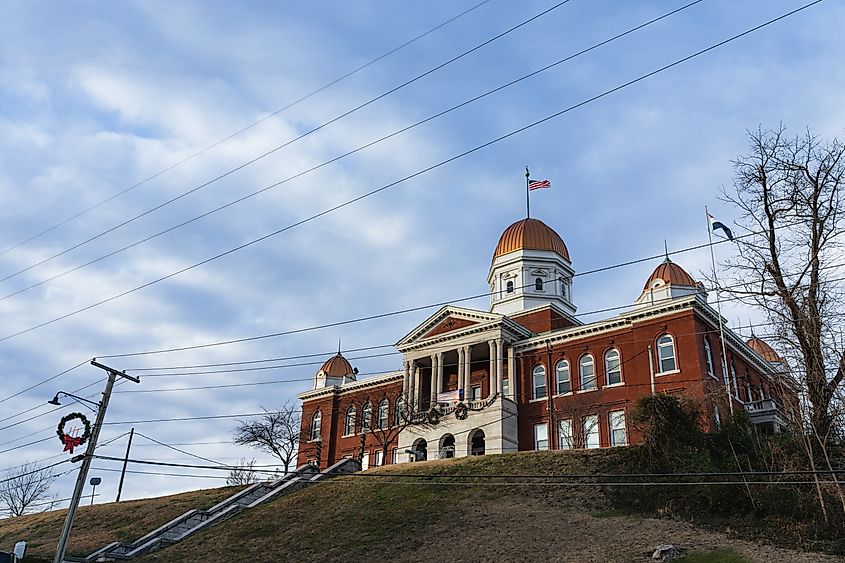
[{"x": 448, "y": 319}]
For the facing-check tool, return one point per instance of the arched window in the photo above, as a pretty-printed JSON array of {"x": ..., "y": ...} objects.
[
  {"x": 366, "y": 417},
  {"x": 666, "y": 353},
  {"x": 349, "y": 421},
  {"x": 382, "y": 414},
  {"x": 563, "y": 380},
  {"x": 733, "y": 380},
  {"x": 588, "y": 372},
  {"x": 708, "y": 356},
  {"x": 509, "y": 286},
  {"x": 400, "y": 414},
  {"x": 315, "y": 425},
  {"x": 538, "y": 284},
  {"x": 539, "y": 379},
  {"x": 613, "y": 366}
]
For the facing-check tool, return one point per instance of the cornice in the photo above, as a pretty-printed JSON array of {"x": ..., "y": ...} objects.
[{"x": 354, "y": 386}]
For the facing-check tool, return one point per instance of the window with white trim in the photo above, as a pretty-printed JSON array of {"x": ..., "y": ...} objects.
[
  {"x": 538, "y": 284},
  {"x": 564, "y": 434},
  {"x": 733, "y": 380},
  {"x": 538, "y": 376},
  {"x": 618, "y": 434},
  {"x": 666, "y": 353},
  {"x": 591, "y": 431},
  {"x": 349, "y": 422},
  {"x": 587, "y": 370},
  {"x": 379, "y": 460},
  {"x": 509, "y": 286},
  {"x": 400, "y": 414},
  {"x": 383, "y": 414},
  {"x": 365, "y": 461},
  {"x": 708, "y": 357},
  {"x": 541, "y": 436},
  {"x": 562, "y": 377},
  {"x": 395, "y": 455},
  {"x": 315, "y": 425},
  {"x": 366, "y": 417},
  {"x": 613, "y": 366}
]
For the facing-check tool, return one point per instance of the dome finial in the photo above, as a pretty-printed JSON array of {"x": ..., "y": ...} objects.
[
  {"x": 338, "y": 346},
  {"x": 666, "y": 250}
]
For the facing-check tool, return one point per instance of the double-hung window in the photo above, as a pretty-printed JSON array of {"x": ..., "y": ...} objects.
[
  {"x": 666, "y": 353},
  {"x": 541, "y": 436},
  {"x": 538, "y": 376},
  {"x": 613, "y": 366},
  {"x": 562, "y": 377},
  {"x": 618, "y": 435},
  {"x": 564, "y": 434},
  {"x": 591, "y": 431},
  {"x": 587, "y": 369}
]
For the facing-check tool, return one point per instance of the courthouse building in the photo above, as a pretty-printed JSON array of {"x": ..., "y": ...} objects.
[{"x": 526, "y": 374}]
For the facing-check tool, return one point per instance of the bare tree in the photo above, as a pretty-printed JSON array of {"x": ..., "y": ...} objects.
[
  {"x": 789, "y": 192},
  {"x": 385, "y": 427},
  {"x": 24, "y": 488},
  {"x": 242, "y": 473},
  {"x": 274, "y": 432}
]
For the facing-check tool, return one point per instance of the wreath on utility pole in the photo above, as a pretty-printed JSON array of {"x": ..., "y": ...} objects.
[{"x": 69, "y": 441}]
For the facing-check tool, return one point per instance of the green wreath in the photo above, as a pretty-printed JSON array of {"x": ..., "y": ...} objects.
[
  {"x": 71, "y": 442},
  {"x": 433, "y": 417},
  {"x": 461, "y": 411}
]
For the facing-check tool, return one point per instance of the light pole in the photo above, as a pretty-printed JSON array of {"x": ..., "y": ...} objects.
[{"x": 113, "y": 374}]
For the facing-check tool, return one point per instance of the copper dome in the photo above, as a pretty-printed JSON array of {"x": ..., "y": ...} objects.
[
  {"x": 337, "y": 366},
  {"x": 670, "y": 272},
  {"x": 530, "y": 234},
  {"x": 764, "y": 350}
]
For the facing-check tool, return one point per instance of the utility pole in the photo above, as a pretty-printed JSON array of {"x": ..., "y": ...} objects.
[
  {"x": 125, "y": 461},
  {"x": 113, "y": 374}
]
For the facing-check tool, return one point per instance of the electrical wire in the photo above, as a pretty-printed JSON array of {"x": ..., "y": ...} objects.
[
  {"x": 418, "y": 173},
  {"x": 344, "y": 155},
  {"x": 291, "y": 141},
  {"x": 51, "y": 378},
  {"x": 248, "y": 127}
]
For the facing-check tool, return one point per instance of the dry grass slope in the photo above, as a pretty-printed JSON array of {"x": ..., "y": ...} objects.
[{"x": 98, "y": 525}]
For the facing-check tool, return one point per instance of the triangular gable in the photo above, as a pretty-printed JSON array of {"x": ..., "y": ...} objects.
[
  {"x": 447, "y": 319},
  {"x": 449, "y": 324}
]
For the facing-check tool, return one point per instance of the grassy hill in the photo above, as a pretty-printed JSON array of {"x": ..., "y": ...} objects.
[
  {"x": 360, "y": 518},
  {"x": 101, "y": 524}
]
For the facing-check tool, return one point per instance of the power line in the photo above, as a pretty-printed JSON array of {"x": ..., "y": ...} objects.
[
  {"x": 291, "y": 141},
  {"x": 418, "y": 173},
  {"x": 178, "y": 450},
  {"x": 51, "y": 378},
  {"x": 344, "y": 155},
  {"x": 248, "y": 127}
]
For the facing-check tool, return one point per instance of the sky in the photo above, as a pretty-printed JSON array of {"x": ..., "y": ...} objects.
[{"x": 110, "y": 110}]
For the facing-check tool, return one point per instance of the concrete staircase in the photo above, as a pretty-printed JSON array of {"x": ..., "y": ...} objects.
[{"x": 194, "y": 521}]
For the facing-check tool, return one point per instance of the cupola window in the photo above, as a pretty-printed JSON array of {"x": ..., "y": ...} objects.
[
  {"x": 509, "y": 286},
  {"x": 538, "y": 284}
]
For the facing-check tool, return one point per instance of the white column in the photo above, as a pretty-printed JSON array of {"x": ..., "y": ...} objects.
[
  {"x": 511, "y": 374},
  {"x": 467, "y": 371},
  {"x": 433, "y": 392},
  {"x": 412, "y": 389},
  {"x": 439, "y": 372},
  {"x": 460, "y": 352},
  {"x": 406, "y": 382},
  {"x": 491, "y": 368},
  {"x": 499, "y": 364}
]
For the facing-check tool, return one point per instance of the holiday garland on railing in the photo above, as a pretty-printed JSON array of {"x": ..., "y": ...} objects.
[{"x": 69, "y": 441}]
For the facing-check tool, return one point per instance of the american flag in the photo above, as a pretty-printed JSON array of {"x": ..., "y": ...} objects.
[{"x": 538, "y": 184}]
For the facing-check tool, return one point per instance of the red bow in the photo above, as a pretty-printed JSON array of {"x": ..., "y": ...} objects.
[{"x": 71, "y": 442}]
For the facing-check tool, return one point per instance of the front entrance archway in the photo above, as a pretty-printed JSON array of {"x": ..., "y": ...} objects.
[
  {"x": 420, "y": 449},
  {"x": 476, "y": 442},
  {"x": 447, "y": 446}
]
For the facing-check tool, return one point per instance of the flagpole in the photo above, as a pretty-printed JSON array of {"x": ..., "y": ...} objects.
[
  {"x": 527, "y": 199},
  {"x": 719, "y": 311}
]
